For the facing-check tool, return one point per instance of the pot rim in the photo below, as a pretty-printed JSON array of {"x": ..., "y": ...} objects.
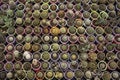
[{"x": 8, "y": 38}]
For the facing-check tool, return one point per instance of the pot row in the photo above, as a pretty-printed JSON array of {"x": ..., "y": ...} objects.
[
  {"x": 50, "y": 74},
  {"x": 54, "y": 47},
  {"x": 56, "y": 56},
  {"x": 73, "y": 65},
  {"x": 64, "y": 30},
  {"x": 54, "y": 6},
  {"x": 64, "y": 39}
]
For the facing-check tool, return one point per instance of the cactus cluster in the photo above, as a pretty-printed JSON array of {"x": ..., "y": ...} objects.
[{"x": 59, "y": 39}]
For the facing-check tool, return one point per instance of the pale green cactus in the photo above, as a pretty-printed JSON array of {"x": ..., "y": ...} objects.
[{"x": 104, "y": 15}]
